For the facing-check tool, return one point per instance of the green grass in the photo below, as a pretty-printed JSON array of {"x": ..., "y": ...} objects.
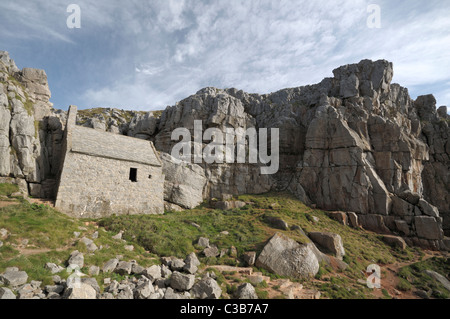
[
  {"x": 173, "y": 234},
  {"x": 8, "y": 189},
  {"x": 42, "y": 226},
  {"x": 415, "y": 276},
  {"x": 51, "y": 239}
]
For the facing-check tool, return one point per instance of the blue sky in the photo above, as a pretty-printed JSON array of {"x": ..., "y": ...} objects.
[{"x": 145, "y": 55}]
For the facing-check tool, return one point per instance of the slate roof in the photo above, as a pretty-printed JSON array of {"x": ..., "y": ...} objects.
[{"x": 108, "y": 145}]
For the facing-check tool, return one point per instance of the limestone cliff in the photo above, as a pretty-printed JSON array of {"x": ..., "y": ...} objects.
[
  {"x": 24, "y": 110},
  {"x": 353, "y": 142}
]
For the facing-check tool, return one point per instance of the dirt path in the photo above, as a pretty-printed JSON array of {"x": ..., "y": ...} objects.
[
  {"x": 390, "y": 279},
  {"x": 8, "y": 203}
]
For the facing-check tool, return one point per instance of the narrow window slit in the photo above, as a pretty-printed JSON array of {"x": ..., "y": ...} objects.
[{"x": 133, "y": 175}]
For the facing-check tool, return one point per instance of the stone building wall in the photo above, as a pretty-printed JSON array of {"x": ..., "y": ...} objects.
[
  {"x": 95, "y": 179},
  {"x": 93, "y": 187}
]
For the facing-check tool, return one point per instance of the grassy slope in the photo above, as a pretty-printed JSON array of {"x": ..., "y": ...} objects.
[{"x": 50, "y": 235}]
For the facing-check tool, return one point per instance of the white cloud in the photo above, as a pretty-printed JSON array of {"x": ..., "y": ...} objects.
[{"x": 163, "y": 50}]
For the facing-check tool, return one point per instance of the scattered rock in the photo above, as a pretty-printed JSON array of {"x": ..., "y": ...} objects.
[
  {"x": 153, "y": 273},
  {"x": 6, "y": 293},
  {"x": 331, "y": 261},
  {"x": 203, "y": 242},
  {"x": 91, "y": 282},
  {"x": 76, "y": 234},
  {"x": 56, "y": 279},
  {"x": 331, "y": 243},
  {"x": 286, "y": 257},
  {"x": 3, "y": 233},
  {"x": 175, "y": 264},
  {"x": 276, "y": 222},
  {"x": 118, "y": 236},
  {"x": 191, "y": 264},
  {"x": 228, "y": 205},
  {"x": 80, "y": 291},
  {"x": 76, "y": 258},
  {"x": 55, "y": 269},
  {"x": 207, "y": 288},
  {"x": 58, "y": 289},
  {"x": 123, "y": 268},
  {"x": 125, "y": 293},
  {"x": 395, "y": 241},
  {"x": 110, "y": 265},
  {"x": 144, "y": 290},
  {"x": 299, "y": 230},
  {"x": 249, "y": 258},
  {"x": 137, "y": 269},
  {"x": 165, "y": 271},
  {"x": 13, "y": 277},
  {"x": 353, "y": 220},
  {"x": 436, "y": 276},
  {"x": 223, "y": 252},
  {"x": 129, "y": 247},
  {"x": 94, "y": 270},
  {"x": 246, "y": 291},
  {"x": 86, "y": 241},
  {"x": 422, "y": 294},
  {"x": 170, "y": 294},
  {"x": 53, "y": 295},
  {"x": 27, "y": 291},
  {"x": 95, "y": 235},
  {"x": 181, "y": 282},
  {"x": 428, "y": 228},
  {"x": 341, "y": 217},
  {"x": 211, "y": 251}
]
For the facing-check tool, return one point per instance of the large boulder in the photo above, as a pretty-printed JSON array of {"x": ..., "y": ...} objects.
[
  {"x": 80, "y": 291},
  {"x": 13, "y": 277},
  {"x": 181, "y": 282},
  {"x": 329, "y": 242},
  {"x": 246, "y": 291},
  {"x": 110, "y": 265},
  {"x": 184, "y": 182},
  {"x": 6, "y": 293},
  {"x": 76, "y": 259},
  {"x": 207, "y": 288},
  {"x": 428, "y": 228},
  {"x": 285, "y": 257},
  {"x": 191, "y": 264}
]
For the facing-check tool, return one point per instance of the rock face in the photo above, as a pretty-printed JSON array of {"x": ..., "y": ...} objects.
[
  {"x": 354, "y": 142},
  {"x": 26, "y": 151},
  {"x": 184, "y": 182},
  {"x": 286, "y": 257}
]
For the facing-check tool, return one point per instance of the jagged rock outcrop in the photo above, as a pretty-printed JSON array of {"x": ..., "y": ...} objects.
[
  {"x": 354, "y": 142},
  {"x": 184, "y": 182},
  {"x": 24, "y": 103}
]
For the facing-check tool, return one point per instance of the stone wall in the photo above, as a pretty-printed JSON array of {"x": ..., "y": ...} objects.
[
  {"x": 95, "y": 178},
  {"x": 93, "y": 187}
]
